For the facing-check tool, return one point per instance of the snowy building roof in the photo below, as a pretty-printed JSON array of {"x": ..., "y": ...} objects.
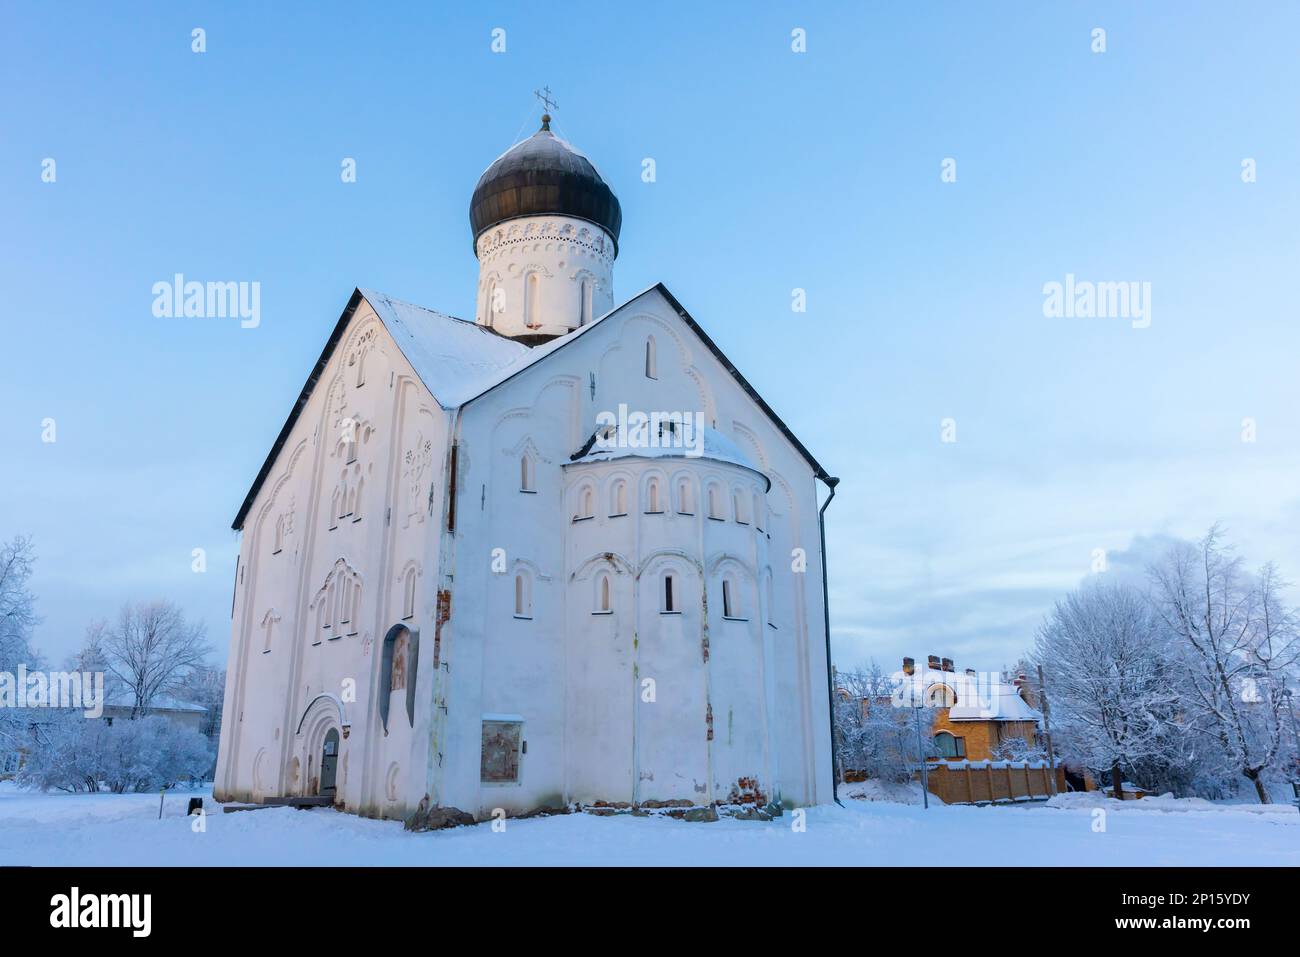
[
  {"x": 459, "y": 360},
  {"x": 982, "y": 696},
  {"x": 454, "y": 358},
  {"x": 714, "y": 446},
  {"x": 126, "y": 699}
]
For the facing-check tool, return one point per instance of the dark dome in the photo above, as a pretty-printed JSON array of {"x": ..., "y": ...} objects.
[{"x": 543, "y": 174}]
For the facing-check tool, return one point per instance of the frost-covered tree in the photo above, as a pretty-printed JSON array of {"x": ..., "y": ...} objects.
[
  {"x": 1104, "y": 654},
  {"x": 151, "y": 650},
  {"x": 1018, "y": 749},
  {"x": 75, "y": 753},
  {"x": 206, "y": 686},
  {"x": 17, "y": 618},
  {"x": 1237, "y": 642},
  {"x": 872, "y": 735}
]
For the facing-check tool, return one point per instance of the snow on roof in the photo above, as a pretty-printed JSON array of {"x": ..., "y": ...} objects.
[
  {"x": 459, "y": 360},
  {"x": 983, "y": 696},
  {"x": 715, "y": 446},
  {"x": 455, "y": 359},
  {"x": 126, "y": 699}
]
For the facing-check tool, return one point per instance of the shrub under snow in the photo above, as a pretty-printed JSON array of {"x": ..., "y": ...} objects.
[{"x": 79, "y": 754}]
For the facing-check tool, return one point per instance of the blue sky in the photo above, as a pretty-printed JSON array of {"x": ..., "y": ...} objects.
[{"x": 775, "y": 170}]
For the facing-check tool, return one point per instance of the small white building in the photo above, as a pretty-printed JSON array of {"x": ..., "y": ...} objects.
[{"x": 481, "y": 569}]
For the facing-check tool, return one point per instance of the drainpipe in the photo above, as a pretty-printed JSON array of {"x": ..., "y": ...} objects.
[{"x": 826, "y": 609}]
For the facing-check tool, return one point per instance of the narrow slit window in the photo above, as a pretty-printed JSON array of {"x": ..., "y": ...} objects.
[
  {"x": 525, "y": 474},
  {"x": 523, "y": 596},
  {"x": 408, "y": 597},
  {"x": 586, "y": 506},
  {"x": 532, "y": 306},
  {"x": 652, "y": 496},
  {"x": 684, "y": 504},
  {"x": 651, "y": 359},
  {"x": 715, "y": 503},
  {"x": 670, "y": 599}
]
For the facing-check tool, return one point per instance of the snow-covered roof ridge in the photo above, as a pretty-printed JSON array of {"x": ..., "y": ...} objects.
[
  {"x": 453, "y": 357},
  {"x": 983, "y": 696}
]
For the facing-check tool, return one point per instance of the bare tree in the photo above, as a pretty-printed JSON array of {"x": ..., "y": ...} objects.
[
  {"x": 1104, "y": 652},
  {"x": 152, "y": 650},
  {"x": 1239, "y": 643}
]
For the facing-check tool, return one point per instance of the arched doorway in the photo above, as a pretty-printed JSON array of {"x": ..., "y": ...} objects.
[{"x": 329, "y": 761}]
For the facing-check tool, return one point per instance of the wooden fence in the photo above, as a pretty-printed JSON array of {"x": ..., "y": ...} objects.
[{"x": 982, "y": 782}]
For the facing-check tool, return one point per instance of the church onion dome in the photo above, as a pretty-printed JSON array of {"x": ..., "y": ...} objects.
[{"x": 539, "y": 176}]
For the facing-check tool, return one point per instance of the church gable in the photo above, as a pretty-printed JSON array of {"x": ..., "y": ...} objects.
[{"x": 678, "y": 333}]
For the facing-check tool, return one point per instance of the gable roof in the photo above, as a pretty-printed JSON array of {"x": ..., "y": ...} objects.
[{"x": 458, "y": 361}]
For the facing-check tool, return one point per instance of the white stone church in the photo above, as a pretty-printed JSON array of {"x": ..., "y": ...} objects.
[{"x": 561, "y": 554}]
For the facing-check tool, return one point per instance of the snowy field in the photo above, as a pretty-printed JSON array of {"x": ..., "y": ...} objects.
[{"x": 107, "y": 829}]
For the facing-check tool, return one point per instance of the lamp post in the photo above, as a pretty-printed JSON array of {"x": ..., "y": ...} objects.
[{"x": 920, "y": 753}]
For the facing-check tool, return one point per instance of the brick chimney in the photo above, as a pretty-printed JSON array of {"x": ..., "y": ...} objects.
[
  {"x": 909, "y": 666},
  {"x": 933, "y": 663},
  {"x": 947, "y": 664},
  {"x": 1022, "y": 686},
  {"x": 971, "y": 672}
]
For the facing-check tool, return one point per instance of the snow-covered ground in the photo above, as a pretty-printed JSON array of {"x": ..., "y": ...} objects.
[{"x": 103, "y": 829}]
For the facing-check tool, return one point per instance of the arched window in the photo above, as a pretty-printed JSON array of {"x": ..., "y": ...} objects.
[
  {"x": 350, "y": 430},
  {"x": 408, "y": 595},
  {"x": 941, "y": 696},
  {"x": 652, "y": 497},
  {"x": 491, "y": 305},
  {"x": 669, "y": 597},
  {"x": 684, "y": 504},
  {"x": 760, "y": 511},
  {"x": 715, "y": 503},
  {"x": 949, "y": 746},
  {"x": 532, "y": 300},
  {"x": 739, "y": 506},
  {"x": 523, "y": 595},
  {"x": 336, "y": 506},
  {"x": 526, "y": 473},
  {"x": 331, "y": 607},
  {"x": 355, "y": 587},
  {"x": 358, "y": 487},
  {"x": 651, "y": 363},
  {"x": 728, "y": 599},
  {"x": 586, "y": 503},
  {"x": 361, "y": 368},
  {"x": 584, "y": 307},
  {"x": 618, "y": 499},
  {"x": 279, "y": 536},
  {"x": 603, "y": 606}
]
